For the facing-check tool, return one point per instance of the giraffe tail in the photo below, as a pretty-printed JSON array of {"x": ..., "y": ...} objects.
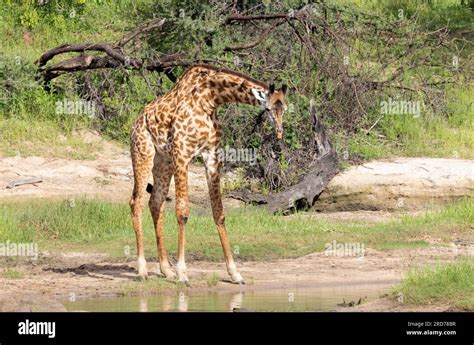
[{"x": 149, "y": 188}]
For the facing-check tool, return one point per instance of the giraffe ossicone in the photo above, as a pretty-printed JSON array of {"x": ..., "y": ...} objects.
[{"x": 174, "y": 128}]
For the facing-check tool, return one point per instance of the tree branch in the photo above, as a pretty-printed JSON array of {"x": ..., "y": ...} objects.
[
  {"x": 257, "y": 41},
  {"x": 115, "y": 58}
]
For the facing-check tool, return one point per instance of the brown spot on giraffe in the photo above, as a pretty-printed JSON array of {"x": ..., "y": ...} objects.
[{"x": 170, "y": 131}]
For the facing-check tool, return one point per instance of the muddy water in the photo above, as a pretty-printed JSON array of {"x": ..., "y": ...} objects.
[{"x": 288, "y": 299}]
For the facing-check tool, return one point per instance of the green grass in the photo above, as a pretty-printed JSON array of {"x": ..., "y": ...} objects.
[
  {"x": 450, "y": 136},
  {"x": 29, "y": 123},
  {"x": 454, "y": 14},
  {"x": 45, "y": 139},
  {"x": 451, "y": 284},
  {"x": 152, "y": 285},
  {"x": 96, "y": 226},
  {"x": 212, "y": 280},
  {"x": 12, "y": 274}
]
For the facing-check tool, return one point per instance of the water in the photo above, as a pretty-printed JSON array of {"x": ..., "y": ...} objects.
[{"x": 288, "y": 299}]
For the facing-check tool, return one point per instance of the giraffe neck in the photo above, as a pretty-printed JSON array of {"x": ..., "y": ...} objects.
[
  {"x": 209, "y": 87},
  {"x": 231, "y": 89}
]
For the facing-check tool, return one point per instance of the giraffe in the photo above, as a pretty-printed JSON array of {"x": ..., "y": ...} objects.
[{"x": 173, "y": 129}]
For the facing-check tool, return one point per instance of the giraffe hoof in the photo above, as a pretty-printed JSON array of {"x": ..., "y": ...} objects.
[
  {"x": 141, "y": 277},
  {"x": 184, "y": 282},
  {"x": 170, "y": 277},
  {"x": 168, "y": 274},
  {"x": 237, "y": 279}
]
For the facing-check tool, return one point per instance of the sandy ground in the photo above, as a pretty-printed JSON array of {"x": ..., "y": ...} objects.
[{"x": 108, "y": 177}]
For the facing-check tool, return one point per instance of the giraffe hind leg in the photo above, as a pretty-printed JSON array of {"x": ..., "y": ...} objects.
[
  {"x": 142, "y": 161},
  {"x": 182, "y": 214}
]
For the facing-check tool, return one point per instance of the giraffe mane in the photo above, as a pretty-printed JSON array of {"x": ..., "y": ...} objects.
[{"x": 227, "y": 71}]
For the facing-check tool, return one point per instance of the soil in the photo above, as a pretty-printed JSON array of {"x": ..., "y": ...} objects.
[{"x": 108, "y": 177}]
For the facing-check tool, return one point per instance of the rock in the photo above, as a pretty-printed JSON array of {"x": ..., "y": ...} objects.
[{"x": 398, "y": 184}]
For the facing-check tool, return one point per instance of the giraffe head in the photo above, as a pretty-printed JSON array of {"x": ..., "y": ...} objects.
[{"x": 274, "y": 103}]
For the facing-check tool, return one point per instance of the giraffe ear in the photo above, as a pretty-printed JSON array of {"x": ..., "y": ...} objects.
[
  {"x": 260, "y": 96},
  {"x": 272, "y": 88}
]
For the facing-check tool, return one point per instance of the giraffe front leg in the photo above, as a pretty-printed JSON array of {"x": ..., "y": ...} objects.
[
  {"x": 213, "y": 181},
  {"x": 182, "y": 214},
  {"x": 162, "y": 172}
]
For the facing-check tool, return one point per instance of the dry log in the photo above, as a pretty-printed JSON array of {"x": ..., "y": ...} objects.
[{"x": 22, "y": 181}]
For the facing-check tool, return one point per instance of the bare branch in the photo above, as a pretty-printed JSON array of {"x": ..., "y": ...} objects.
[
  {"x": 257, "y": 41},
  {"x": 115, "y": 58},
  {"x": 142, "y": 29},
  {"x": 240, "y": 18}
]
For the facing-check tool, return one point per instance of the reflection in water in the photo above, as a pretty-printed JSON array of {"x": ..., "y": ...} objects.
[
  {"x": 143, "y": 304},
  {"x": 236, "y": 301},
  {"x": 297, "y": 299},
  {"x": 182, "y": 302}
]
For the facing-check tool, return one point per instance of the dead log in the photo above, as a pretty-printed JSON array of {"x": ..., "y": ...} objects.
[
  {"x": 22, "y": 181},
  {"x": 304, "y": 194}
]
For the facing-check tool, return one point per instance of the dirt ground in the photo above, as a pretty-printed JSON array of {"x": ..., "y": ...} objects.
[
  {"x": 91, "y": 275},
  {"x": 110, "y": 177}
]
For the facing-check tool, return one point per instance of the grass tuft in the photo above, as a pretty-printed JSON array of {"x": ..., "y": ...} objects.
[{"x": 451, "y": 284}]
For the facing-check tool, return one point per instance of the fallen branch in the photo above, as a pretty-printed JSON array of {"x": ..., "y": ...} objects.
[
  {"x": 81, "y": 48},
  {"x": 20, "y": 182}
]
